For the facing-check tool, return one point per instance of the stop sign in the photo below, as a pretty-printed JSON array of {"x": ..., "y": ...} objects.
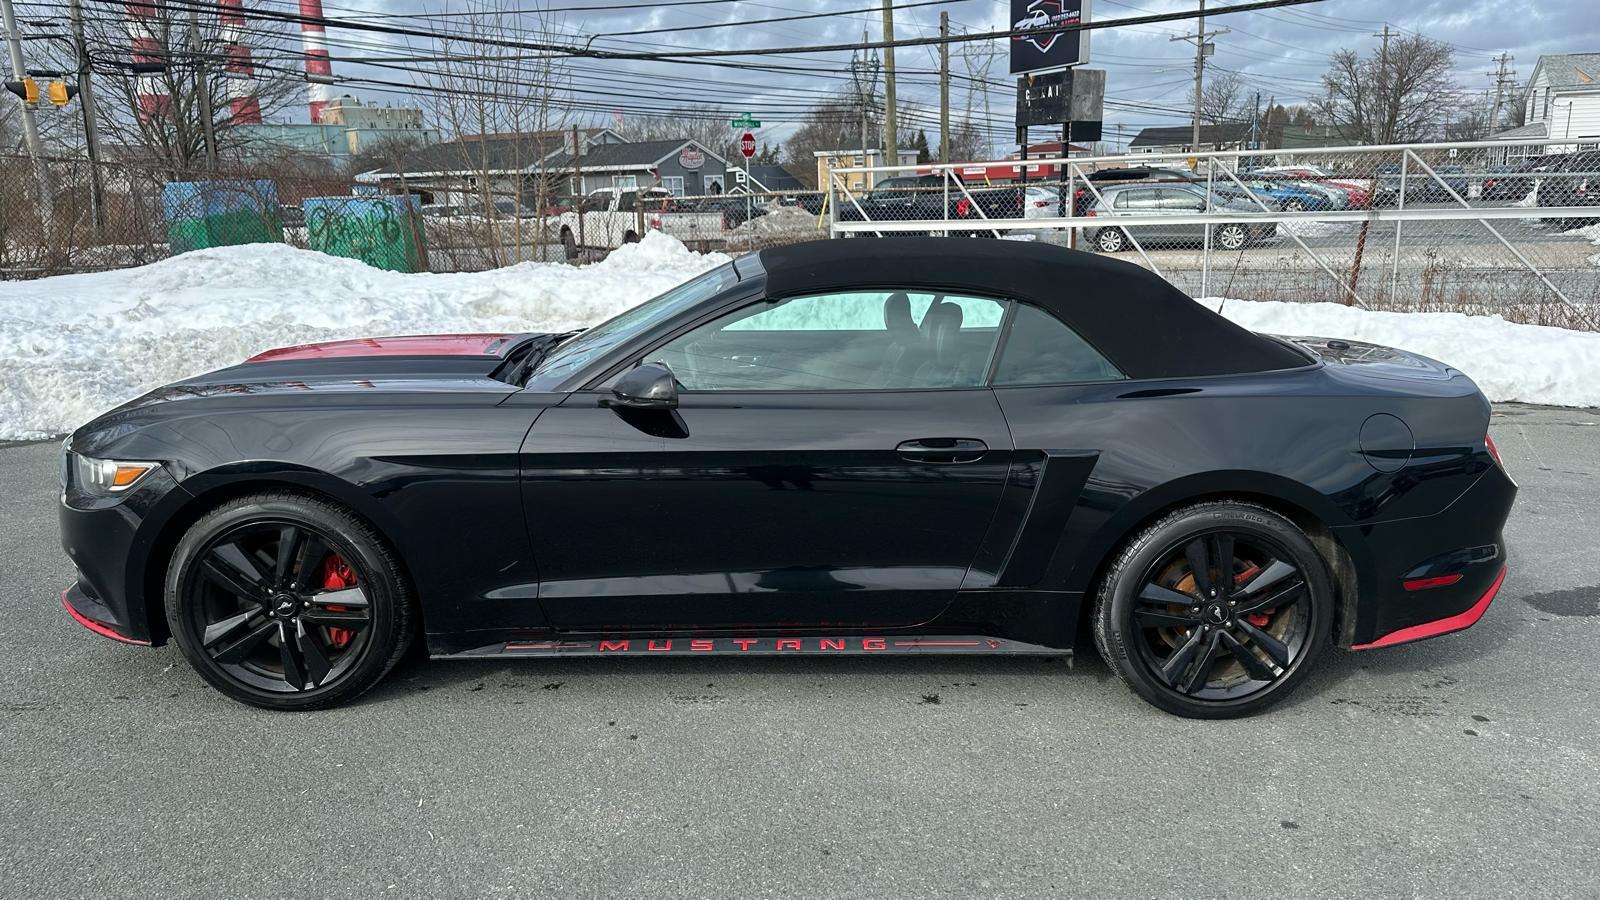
[{"x": 747, "y": 144}]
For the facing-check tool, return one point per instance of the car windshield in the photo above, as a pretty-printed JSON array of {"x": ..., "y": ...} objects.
[{"x": 571, "y": 355}]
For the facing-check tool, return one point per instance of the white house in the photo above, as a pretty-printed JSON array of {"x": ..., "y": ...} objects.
[{"x": 1562, "y": 104}]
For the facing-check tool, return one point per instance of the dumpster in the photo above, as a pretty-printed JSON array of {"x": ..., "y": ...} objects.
[{"x": 382, "y": 231}]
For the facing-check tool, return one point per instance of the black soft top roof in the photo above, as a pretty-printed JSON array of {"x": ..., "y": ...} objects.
[{"x": 1147, "y": 327}]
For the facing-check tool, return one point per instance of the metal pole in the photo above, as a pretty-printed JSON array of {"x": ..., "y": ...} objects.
[
  {"x": 891, "y": 136},
  {"x": 1205, "y": 255},
  {"x": 1394, "y": 266},
  {"x": 91, "y": 134},
  {"x": 944, "y": 89},
  {"x": 577, "y": 175},
  {"x": 30, "y": 128},
  {"x": 1022, "y": 141},
  {"x": 203, "y": 90}
]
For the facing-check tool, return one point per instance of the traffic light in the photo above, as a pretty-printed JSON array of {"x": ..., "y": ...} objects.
[
  {"x": 27, "y": 89},
  {"x": 59, "y": 92}
]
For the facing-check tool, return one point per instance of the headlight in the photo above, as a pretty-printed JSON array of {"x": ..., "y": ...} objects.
[{"x": 108, "y": 476}]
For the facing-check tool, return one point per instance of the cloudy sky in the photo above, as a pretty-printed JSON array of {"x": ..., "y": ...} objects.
[{"x": 1280, "y": 53}]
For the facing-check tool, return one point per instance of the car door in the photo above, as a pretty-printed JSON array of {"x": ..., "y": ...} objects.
[
  {"x": 1180, "y": 201},
  {"x": 833, "y": 462}
]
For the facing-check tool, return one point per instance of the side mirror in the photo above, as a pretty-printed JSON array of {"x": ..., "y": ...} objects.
[{"x": 648, "y": 386}]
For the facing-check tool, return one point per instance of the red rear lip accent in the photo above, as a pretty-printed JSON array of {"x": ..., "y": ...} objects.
[
  {"x": 99, "y": 628},
  {"x": 1422, "y": 584},
  {"x": 1440, "y": 626},
  {"x": 483, "y": 344}
]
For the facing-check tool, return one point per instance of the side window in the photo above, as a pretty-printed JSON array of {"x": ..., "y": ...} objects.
[
  {"x": 872, "y": 340},
  {"x": 1041, "y": 349}
]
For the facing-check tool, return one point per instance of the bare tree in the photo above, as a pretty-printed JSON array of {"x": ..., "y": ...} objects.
[
  {"x": 1404, "y": 94},
  {"x": 705, "y": 124},
  {"x": 504, "y": 109},
  {"x": 832, "y": 124},
  {"x": 1222, "y": 99}
]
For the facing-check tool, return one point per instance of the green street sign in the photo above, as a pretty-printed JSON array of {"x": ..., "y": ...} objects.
[{"x": 745, "y": 120}]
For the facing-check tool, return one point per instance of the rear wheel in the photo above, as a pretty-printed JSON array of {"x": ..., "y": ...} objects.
[
  {"x": 286, "y": 601},
  {"x": 1215, "y": 611},
  {"x": 630, "y": 238},
  {"x": 569, "y": 245},
  {"x": 1294, "y": 206}
]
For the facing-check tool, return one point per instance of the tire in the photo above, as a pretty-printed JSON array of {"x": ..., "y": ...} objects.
[
  {"x": 1189, "y": 663},
  {"x": 630, "y": 238},
  {"x": 338, "y": 598},
  {"x": 1232, "y": 237},
  {"x": 569, "y": 245},
  {"x": 1294, "y": 206},
  {"x": 1111, "y": 240}
]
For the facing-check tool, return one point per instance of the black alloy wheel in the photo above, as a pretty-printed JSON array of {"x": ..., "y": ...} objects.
[
  {"x": 287, "y": 602},
  {"x": 1215, "y": 611},
  {"x": 1294, "y": 206}
]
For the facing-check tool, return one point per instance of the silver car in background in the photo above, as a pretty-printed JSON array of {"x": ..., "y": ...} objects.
[{"x": 1147, "y": 199}]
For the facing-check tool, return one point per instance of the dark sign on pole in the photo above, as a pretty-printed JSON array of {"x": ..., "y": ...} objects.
[
  {"x": 1047, "y": 49},
  {"x": 1076, "y": 95}
]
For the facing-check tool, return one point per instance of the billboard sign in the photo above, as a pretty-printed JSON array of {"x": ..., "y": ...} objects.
[{"x": 1045, "y": 50}]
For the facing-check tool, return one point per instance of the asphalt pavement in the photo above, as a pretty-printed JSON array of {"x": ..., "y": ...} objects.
[{"x": 1465, "y": 766}]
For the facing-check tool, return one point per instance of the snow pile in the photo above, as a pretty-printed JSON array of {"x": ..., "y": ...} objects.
[
  {"x": 780, "y": 221},
  {"x": 1590, "y": 233},
  {"x": 75, "y": 345},
  {"x": 1509, "y": 362}
]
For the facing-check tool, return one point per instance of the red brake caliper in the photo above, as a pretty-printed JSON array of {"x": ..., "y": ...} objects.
[
  {"x": 1259, "y": 619},
  {"x": 336, "y": 576}
]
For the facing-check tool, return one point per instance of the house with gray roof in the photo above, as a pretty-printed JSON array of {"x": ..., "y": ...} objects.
[{"x": 1561, "y": 104}]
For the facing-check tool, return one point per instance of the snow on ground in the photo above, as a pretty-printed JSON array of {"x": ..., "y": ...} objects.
[
  {"x": 1509, "y": 362},
  {"x": 75, "y": 345},
  {"x": 1590, "y": 233}
]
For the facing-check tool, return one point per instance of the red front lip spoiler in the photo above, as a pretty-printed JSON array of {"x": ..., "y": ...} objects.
[
  {"x": 99, "y": 628},
  {"x": 1440, "y": 626}
]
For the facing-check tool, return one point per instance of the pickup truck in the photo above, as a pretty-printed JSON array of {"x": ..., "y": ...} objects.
[
  {"x": 924, "y": 197},
  {"x": 606, "y": 219}
]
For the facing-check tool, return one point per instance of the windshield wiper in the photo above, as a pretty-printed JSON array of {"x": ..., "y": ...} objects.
[{"x": 538, "y": 349}]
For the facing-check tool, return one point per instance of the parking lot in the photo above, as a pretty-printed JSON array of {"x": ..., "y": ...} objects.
[{"x": 1464, "y": 766}]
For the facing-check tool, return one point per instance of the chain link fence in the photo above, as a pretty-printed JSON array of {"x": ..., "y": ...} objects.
[
  {"x": 1486, "y": 228},
  {"x": 145, "y": 213}
]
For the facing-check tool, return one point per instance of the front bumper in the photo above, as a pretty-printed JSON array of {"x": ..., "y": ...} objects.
[{"x": 111, "y": 540}]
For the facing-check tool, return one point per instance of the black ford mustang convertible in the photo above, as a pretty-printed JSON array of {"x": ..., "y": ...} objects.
[{"x": 915, "y": 445}]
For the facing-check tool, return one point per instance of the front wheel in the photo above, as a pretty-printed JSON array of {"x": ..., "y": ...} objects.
[
  {"x": 1110, "y": 240},
  {"x": 1216, "y": 611},
  {"x": 286, "y": 601},
  {"x": 1232, "y": 237},
  {"x": 1294, "y": 206}
]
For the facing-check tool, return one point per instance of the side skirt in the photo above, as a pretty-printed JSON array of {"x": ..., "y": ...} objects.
[{"x": 807, "y": 645}]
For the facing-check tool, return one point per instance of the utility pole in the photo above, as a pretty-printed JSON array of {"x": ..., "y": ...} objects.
[
  {"x": 1199, "y": 37},
  {"x": 891, "y": 143},
  {"x": 944, "y": 89},
  {"x": 30, "y": 127},
  {"x": 91, "y": 135},
  {"x": 202, "y": 85},
  {"x": 864, "y": 76},
  {"x": 1385, "y": 83},
  {"x": 1503, "y": 78}
]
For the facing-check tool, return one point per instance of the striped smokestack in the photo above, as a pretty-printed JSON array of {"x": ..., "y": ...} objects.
[
  {"x": 145, "y": 30},
  {"x": 243, "y": 104},
  {"x": 318, "y": 68}
]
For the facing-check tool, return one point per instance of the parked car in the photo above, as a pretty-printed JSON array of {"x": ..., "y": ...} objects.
[
  {"x": 1517, "y": 181},
  {"x": 1288, "y": 196},
  {"x": 1353, "y": 190},
  {"x": 1419, "y": 185},
  {"x": 839, "y": 447},
  {"x": 606, "y": 219},
  {"x": 1083, "y": 198},
  {"x": 1574, "y": 181},
  {"x": 1332, "y": 197},
  {"x": 905, "y": 198},
  {"x": 1155, "y": 198}
]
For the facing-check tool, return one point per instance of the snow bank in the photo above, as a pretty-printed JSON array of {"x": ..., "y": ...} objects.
[
  {"x": 74, "y": 345},
  {"x": 1509, "y": 362}
]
